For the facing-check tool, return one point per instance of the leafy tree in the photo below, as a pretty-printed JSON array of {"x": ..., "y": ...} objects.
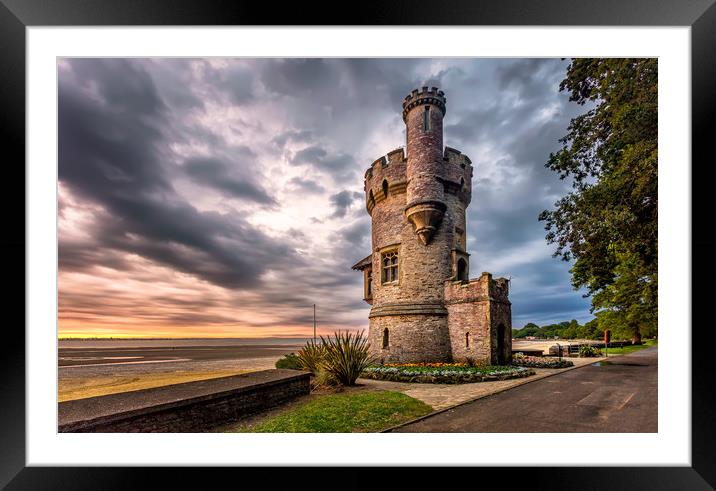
[
  {"x": 607, "y": 224},
  {"x": 530, "y": 329},
  {"x": 591, "y": 330},
  {"x": 629, "y": 302}
]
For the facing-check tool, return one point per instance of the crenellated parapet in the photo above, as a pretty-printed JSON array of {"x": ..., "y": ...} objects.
[
  {"x": 391, "y": 168},
  {"x": 434, "y": 96},
  {"x": 481, "y": 289},
  {"x": 388, "y": 169}
]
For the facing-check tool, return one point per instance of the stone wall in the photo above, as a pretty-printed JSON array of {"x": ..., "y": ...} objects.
[
  {"x": 188, "y": 407},
  {"x": 468, "y": 307},
  {"x": 476, "y": 309},
  {"x": 501, "y": 315},
  {"x": 411, "y": 338}
]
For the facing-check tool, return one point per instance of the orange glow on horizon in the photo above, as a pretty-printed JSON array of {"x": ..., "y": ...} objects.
[
  {"x": 135, "y": 297},
  {"x": 197, "y": 332}
]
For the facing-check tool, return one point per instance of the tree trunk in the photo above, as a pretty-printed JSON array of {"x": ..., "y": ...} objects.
[{"x": 636, "y": 337}]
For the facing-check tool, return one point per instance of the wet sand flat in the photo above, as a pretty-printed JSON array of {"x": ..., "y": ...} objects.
[
  {"x": 72, "y": 357},
  {"x": 89, "y": 372}
]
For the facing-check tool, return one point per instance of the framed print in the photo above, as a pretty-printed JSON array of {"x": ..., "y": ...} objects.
[{"x": 233, "y": 227}]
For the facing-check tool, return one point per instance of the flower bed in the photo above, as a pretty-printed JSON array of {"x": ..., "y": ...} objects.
[
  {"x": 444, "y": 373},
  {"x": 539, "y": 362}
]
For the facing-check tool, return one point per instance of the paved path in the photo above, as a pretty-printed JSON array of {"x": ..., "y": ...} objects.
[
  {"x": 619, "y": 395},
  {"x": 443, "y": 396}
]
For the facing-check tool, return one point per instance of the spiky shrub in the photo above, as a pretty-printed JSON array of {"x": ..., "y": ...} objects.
[
  {"x": 346, "y": 356},
  {"x": 311, "y": 356}
]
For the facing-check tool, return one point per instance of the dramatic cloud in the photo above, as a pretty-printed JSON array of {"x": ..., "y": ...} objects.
[
  {"x": 224, "y": 197},
  {"x": 216, "y": 174},
  {"x": 342, "y": 202}
]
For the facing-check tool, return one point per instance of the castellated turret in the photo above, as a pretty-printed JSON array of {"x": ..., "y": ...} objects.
[{"x": 424, "y": 306}]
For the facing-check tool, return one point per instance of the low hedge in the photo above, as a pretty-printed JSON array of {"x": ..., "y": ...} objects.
[
  {"x": 539, "y": 362},
  {"x": 290, "y": 361},
  {"x": 444, "y": 373}
]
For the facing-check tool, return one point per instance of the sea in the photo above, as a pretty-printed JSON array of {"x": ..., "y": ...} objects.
[{"x": 177, "y": 342}]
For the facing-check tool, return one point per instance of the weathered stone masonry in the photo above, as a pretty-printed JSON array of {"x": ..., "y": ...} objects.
[
  {"x": 186, "y": 407},
  {"x": 425, "y": 307}
]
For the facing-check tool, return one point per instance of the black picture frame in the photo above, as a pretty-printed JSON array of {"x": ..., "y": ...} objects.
[{"x": 16, "y": 15}]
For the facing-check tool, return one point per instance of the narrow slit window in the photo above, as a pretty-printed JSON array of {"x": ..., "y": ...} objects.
[
  {"x": 385, "y": 188},
  {"x": 386, "y": 338},
  {"x": 467, "y": 340},
  {"x": 426, "y": 119}
]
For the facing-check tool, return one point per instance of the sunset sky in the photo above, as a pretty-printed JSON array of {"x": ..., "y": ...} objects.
[{"x": 224, "y": 197}]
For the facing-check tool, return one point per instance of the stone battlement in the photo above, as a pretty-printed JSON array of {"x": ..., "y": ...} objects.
[
  {"x": 390, "y": 169},
  {"x": 458, "y": 171},
  {"x": 477, "y": 289},
  {"x": 377, "y": 168},
  {"x": 417, "y": 97}
]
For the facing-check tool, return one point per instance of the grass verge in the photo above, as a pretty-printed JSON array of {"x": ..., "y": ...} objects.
[
  {"x": 630, "y": 348},
  {"x": 342, "y": 413}
]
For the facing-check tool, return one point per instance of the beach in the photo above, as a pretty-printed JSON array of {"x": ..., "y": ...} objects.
[{"x": 88, "y": 368}]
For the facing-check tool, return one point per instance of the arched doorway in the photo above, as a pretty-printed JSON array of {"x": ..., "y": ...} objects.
[{"x": 501, "y": 358}]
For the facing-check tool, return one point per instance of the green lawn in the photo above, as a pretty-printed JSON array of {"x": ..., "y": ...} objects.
[
  {"x": 343, "y": 413},
  {"x": 630, "y": 348}
]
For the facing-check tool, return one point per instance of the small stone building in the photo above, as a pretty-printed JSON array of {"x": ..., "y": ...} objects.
[{"x": 425, "y": 307}]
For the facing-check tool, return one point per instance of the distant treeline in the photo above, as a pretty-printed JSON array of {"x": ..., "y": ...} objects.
[{"x": 565, "y": 330}]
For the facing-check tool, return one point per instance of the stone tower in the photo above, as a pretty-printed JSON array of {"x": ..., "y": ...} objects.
[{"x": 425, "y": 307}]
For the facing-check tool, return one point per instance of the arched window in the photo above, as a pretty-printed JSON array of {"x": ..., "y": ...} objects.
[
  {"x": 385, "y": 188},
  {"x": 467, "y": 340},
  {"x": 386, "y": 338},
  {"x": 461, "y": 269},
  {"x": 426, "y": 119},
  {"x": 389, "y": 266}
]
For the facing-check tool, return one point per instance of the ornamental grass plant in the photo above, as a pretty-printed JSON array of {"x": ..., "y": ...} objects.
[
  {"x": 338, "y": 359},
  {"x": 311, "y": 356},
  {"x": 346, "y": 356}
]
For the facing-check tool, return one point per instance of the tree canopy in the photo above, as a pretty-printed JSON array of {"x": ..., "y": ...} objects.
[
  {"x": 607, "y": 224},
  {"x": 565, "y": 330}
]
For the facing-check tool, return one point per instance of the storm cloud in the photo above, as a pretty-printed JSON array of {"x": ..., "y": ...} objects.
[{"x": 225, "y": 196}]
